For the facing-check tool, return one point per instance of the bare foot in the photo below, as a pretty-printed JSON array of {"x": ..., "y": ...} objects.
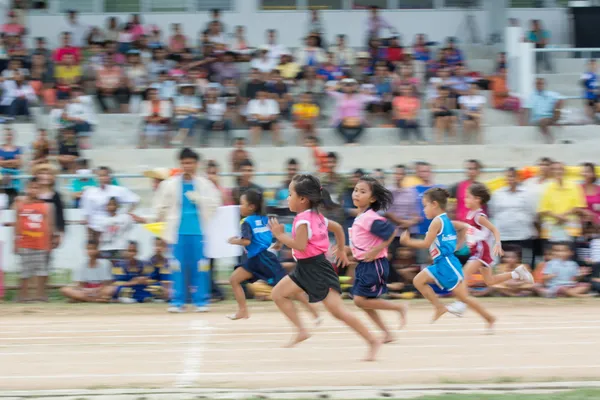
[
  {"x": 388, "y": 338},
  {"x": 239, "y": 315},
  {"x": 373, "y": 350},
  {"x": 490, "y": 326},
  {"x": 299, "y": 338},
  {"x": 403, "y": 311},
  {"x": 438, "y": 313}
]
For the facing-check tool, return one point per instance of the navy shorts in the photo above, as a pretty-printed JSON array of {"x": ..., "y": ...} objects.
[
  {"x": 370, "y": 278},
  {"x": 264, "y": 267}
]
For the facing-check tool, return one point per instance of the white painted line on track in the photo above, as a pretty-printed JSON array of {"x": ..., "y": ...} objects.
[
  {"x": 312, "y": 371},
  {"x": 193, "y": 358}
]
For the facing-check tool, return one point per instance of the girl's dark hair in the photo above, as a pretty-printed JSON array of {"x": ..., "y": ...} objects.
[
  {"x": 383, "y": 197},
  {"x": 113, "y": 199},
  {"x": 591, "y": 166},
  {"x": 310, "y": 187},
  {"x": 481, "y": 191},
  {"x": 255, "y": 198},
  {"x": 439, "y": 195}
]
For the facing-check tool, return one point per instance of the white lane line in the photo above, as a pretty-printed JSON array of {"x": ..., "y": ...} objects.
[
  {"x": 243, "y": 326},
  {"x": 287, "y": 332},
  {"x": 339, "y": 358},
  {"x": 192, "y": 362},
  {"x": 398, "y": 345},
  {"x": 269, "y": 374}
]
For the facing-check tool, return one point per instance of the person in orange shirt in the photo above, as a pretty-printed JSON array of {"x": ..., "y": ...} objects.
[
  {"x": 33, "y": 240},
  {"x": 319, "y": 156},
  {"x": 406, "y": 113},
  {"x": 501, "y": 98}
]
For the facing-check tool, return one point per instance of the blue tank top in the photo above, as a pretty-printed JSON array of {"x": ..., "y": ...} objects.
[
  {"x": 445, "y": 241},
  {"x": 256, "y": 229},
  {"x": 590, "y": 82}
]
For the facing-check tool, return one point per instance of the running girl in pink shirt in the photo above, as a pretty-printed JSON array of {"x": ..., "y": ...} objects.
[
  {"x": 370, "y": 236},
  {"x": 314, "y": 274}
]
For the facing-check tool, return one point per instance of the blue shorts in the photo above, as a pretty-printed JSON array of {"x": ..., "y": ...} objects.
[
  {"x": 140, "y": 293},
  {"x": 370, "y": 278},
  {"x": 264, "y": 267},
  {"x": 446, "y": 272}
]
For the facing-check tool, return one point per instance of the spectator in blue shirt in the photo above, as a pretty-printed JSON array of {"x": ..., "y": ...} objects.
[
  {"x": 542, "y": 109},
  {"x": 540, "y": 37},
  {"x": 454, "y": 55},
  {"x": 10, "y": 163},
  {"x": 589, "y": 80}
]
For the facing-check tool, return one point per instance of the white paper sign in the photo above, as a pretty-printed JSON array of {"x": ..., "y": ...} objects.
[{"x": 224, "y": 225}]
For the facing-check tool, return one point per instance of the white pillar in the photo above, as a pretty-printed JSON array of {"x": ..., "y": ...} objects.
[
  {"x": 526, "y": 68},
  {"x": 513, "y": 36}
]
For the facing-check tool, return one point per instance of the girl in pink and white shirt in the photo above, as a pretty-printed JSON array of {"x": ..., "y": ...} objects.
[
  {"x": 370, "y": 236},
  {"x": 314, "y": 274}
]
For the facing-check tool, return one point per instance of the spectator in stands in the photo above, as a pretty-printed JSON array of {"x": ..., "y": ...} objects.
[
  {"x": 80, "y": 113},
  {"x": 262, "y": 62},
  {"x": 42, "y": 48},
  {"x": 444, "y": 118},
  {"x": 542, "y": 109},
  {"x": 472, "y": 113},
  {"x": 591, "y": 190},
  {"x": 329, "y": 71},
  {"x": 460, "y": 83},
  {"x": 41, "y": 148},
  {"x": 11, "y": 162},
  {"x": 13, "y": 27},
  {"x": 453, "y": 54},
  {"x": 115, "y": 227},
  {"x": 177, "y": 41},
  {"x": 263, "y": 115},
  {"x": 288, "y": 68},
  {"x": 239, "y": 154},
  {"x": 343, "y": 55},
  {"x": 501, "y": 98},
  {"x": 15, "y": 66},
  {"x": 95, "y": 35},
  {"x": 404, "y": 210},
  {"x": 562, "y": 275},
  {"x": 394, "y": 51},
  {"x": 245, "y": 181},
  {"x": 157, "y": 115},
  {"x": 274, "y": 49},
  {"x": 216, "y": 119},
  {"x": 280, "y": 92},
  {"x": 95, "y": 199},
  {"x": 363, "y": 69},
  {"x": 41, "y": 75},
  {"x": 137, "y": 77},
  {"x": 111, "y": 84},
  {"x": 92, "y": 280},
  {"x": 459, "y": 191},
  {"x": 226, "y": 69},
  {"x": 349, "y": 114},
  {"x": 131, "y": 283},
  {"x": 187, "y": 109},
  {"x": 589, "y": 81},
  {"x": 540, "y": 38},
  {"x": 316, "y": 27},
  {"x": 76, "y": 29},
  {"x": 332, "y": 181},
  {"x": 68, "y": 150},
  {"x": 406, "y": 108},
  {"x": 112, "y": 29},
  {"x": 311, "y": 54},
  {"x": 536, "y": 186},
  {"x": 46, "y": 176},
  {"x": 166, "y": 86},
  {"x": 230, "y": 96},
  {"x": 67, "y": 48},
  {"x": 375, "y": 24},
  {"x": 514, "y": 214},
  {"x": 240, "y": 45},
  {"x": 292, "y": 168},
  {"x": 441, "y": 79},
  {"x": 18, "y": 96},
  {"x": 83, "y": 181},
  {"x": 511, "y": 260},
  {"x": 310, "y": 84},
  {"x": 305, "y": 115},
  {"x": 421, "y": 51},
  {"x": 159, "y": 63},
  {"x": 501, "y": 62},
  {"x": 215, "y": 35},
  {"x": 383, "y": 90},
  {"x": 560, "y": 207}
]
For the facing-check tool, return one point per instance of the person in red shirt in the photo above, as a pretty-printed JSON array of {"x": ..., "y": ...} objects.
[
  {"x": 33, "y": 239},
  {"x": 66, "y": 48},
  {"x": 12, "y": 26},
  {"x": 395, "y": 51}
]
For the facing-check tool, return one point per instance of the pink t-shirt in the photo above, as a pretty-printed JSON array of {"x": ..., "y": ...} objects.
[
  {"x": 593, "y": 203},
  {"x": 369, "y": 230},
  {"x": 318, "y": 235}
]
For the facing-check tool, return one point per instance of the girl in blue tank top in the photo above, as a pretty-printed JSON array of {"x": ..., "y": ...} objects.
[{"x": 443, "y": 238}]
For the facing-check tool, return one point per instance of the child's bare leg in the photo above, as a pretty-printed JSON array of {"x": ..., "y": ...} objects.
[
  {"x": 491, "y": 280},
  {"x": 239, "y": 275},
  {"x": 74, "y": 293},
  {"x": 578, "y": 291},
  {"x": 24, "y": 290},
  {"x": 421, "y": 282},
  {"x": 303, "y": 298},
  {"x": 282, "y": 295},
  {"x": 381, "y": 304},
  {"x": 333, "y": 303},
  {"x": 40, "y": 290},
  {"x": 461, "y": 292}
]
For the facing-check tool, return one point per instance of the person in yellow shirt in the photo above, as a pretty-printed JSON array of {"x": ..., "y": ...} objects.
[
  {"x": 305, "y": 113},
  {"x": 560, "y": 207},
  {"x": 288, "y": 69},
  {"x": 68, "y": 72}
]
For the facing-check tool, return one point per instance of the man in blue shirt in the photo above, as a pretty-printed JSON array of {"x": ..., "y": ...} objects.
[
  {"x": 542, "y": 109},
  {"x": 186, "y": 203},
  {"x": 589, "y": 80}
]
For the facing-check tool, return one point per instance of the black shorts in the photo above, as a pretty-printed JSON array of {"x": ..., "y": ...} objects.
[
  {"x": 265, "y": 126},
  {"x": 316, "y": 277},
  {"x": 445, "y": 113},
  {"x": 593, "y": 102}
]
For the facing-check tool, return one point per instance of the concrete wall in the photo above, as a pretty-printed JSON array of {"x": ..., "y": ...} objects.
[{"x": 438, "y": 24}]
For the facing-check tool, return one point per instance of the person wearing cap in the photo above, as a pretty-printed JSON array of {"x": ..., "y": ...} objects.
[
  {"x": 157, "y": 175},
  {"x": 363, "y": 68},
  {"x": 187, "y": 109}
]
